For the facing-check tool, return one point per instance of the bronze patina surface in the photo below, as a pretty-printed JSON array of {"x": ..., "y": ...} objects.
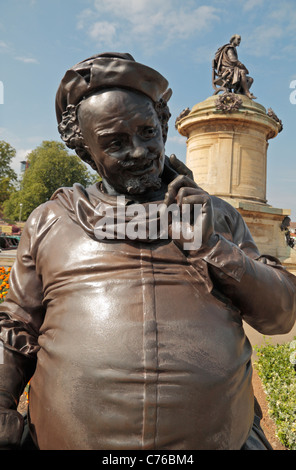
[{"x": 133, "y": 343}]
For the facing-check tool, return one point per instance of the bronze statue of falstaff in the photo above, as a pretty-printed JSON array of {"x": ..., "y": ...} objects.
[{"x": 133, "y": 343}]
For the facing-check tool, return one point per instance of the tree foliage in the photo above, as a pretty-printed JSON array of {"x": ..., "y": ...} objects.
[
  {"x": 50, "y": 166},
  {"x": 8, "y": 176}
]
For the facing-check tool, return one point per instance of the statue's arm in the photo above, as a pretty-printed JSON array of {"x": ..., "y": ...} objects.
[
  {"x": 232, "y": 57},
  {"x": 20, "y": 318},
  {"x": 263, "y": 291},
  {"x": 259, "y": 286}
]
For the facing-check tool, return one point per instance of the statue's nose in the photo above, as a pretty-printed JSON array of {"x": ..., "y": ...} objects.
[
  {"x": 139, "y": 152},
  {"x": 139, "y": 149}
]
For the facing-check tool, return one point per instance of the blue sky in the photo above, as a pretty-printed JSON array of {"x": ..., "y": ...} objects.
[{"x": 41, "y": 39}]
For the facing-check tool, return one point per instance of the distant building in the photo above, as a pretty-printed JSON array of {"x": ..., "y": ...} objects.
[{"x": 24, "y": 165}]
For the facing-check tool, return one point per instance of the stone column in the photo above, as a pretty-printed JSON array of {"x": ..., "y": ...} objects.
[{"x": 227, "y": 151}]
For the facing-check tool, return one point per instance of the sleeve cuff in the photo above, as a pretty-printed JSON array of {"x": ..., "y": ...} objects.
[{"x": 227, "y": 257}]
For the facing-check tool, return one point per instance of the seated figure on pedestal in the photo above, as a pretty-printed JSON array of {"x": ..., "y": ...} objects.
[{"x": 229, "y": 74}]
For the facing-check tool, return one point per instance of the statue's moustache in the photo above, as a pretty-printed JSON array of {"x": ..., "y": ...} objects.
[{"x": 139, "y": 164}]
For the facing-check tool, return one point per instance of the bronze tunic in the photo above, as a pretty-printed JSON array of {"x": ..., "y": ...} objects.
[
  {"x": 227, "y": 60},
  {"x": 138, "y": 345}
]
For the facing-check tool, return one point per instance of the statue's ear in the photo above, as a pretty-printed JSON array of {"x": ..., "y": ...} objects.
[{"x": 167, "y": 94}]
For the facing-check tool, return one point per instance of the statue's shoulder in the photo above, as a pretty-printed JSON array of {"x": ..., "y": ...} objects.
[
  {"x": 224, "y": 210},
  {"x": 221, "y": 50}
]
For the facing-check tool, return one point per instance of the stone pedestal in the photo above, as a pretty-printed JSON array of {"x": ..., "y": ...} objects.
[
  {"x": 227, "y": 153},
  {"x": 227, "y": 150}
]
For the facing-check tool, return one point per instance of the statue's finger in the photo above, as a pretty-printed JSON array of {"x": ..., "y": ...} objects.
[{"x": 180, "y": 167}]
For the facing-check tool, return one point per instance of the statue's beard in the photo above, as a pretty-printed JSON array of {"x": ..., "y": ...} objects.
[
  {"x": 127, "y": 181},
  {"x": 141, "y": 184}
]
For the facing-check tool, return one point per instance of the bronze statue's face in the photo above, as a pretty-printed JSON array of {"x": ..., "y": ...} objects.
[{"x": 124, "y": 138}]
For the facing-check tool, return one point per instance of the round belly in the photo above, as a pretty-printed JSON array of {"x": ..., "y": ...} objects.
[{"x": 141, "y": 363}]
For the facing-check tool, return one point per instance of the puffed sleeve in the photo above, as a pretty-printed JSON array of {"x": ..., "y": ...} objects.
[
  {"x": 258, "y": 285},
  {"x": 21, "y": 315}
]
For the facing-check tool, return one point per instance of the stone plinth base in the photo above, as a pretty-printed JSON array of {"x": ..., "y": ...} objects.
[{"x": 264, "y": 223}]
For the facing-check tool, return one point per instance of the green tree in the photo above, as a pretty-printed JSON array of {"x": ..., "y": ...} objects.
[
  {"x": 50, "y": 166},
  {"x": 8, "y": 176}
]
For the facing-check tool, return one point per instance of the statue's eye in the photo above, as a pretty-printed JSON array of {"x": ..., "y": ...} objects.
[
  {"x": 115, "y": 145},
  {"x": 148, "y": 132}
]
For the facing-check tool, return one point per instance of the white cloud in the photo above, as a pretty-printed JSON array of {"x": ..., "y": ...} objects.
[
  {"x": 83, "y": 17},
  {"x": 21, "y": 155},
  {"x": 149, "y": 22},
  {"x": 17, "y": 144},
  {"x": 275, "y": 36},
  {"x": 177, "y": 139},
  {"x": 132, "y": 8},
  {"x": 7, "y": 48},
  {"x": 27, "y": 60},
  {"x": 35, "y": 139},
  {"x": 251, "y": 4},
  {"x": 284, "y": 11},
  {"x": 3, "y": 46},
  {"x": 103, "y": 32},
  {"x": 263, "y": 38},
  {"x": 202, "y": 54}
]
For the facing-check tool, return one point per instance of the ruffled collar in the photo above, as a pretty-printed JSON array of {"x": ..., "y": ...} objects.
[{"x": 91, "y": 208}]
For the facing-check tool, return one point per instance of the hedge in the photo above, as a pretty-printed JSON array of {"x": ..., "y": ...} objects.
[{"x": 276, "y": 368}]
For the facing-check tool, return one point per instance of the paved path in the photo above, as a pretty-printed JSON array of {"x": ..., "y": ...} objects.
[{"x": 257, "y": 339}]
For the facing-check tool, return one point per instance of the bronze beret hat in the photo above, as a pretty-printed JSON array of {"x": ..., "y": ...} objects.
[{"x": 110, "y": 69}]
